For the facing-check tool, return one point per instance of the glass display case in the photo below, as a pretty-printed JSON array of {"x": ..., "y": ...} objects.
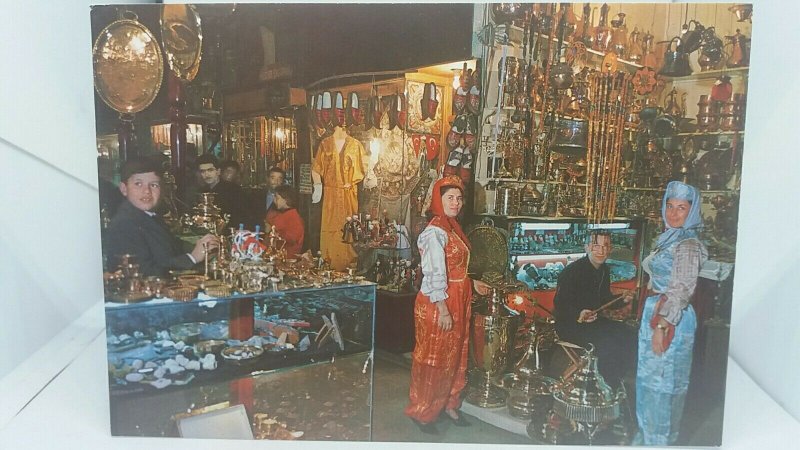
[
  {"x": 297, "y": 360},
  {"x": 539, "y": 251}
]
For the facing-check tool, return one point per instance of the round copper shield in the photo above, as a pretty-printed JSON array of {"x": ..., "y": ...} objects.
[
  {"x": 489, "y": 250},
  {"x": 182, "y": 38},
  {"x": 128, "y": 66}
]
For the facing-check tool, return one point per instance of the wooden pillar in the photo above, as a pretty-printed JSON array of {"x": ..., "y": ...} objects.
[{"x": 126, "y": 138}]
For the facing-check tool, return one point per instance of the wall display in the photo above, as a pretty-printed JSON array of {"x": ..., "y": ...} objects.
[{"x": 587, "y": 121}]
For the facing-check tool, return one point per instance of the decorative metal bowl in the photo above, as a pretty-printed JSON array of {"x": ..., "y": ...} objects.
[{"x": 128, "y": 66}]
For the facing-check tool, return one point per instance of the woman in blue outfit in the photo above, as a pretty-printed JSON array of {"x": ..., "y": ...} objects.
[{"x": 666, "y": 334}]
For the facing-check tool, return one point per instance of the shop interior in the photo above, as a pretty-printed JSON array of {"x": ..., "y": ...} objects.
[{"x": 559, "y": 118}]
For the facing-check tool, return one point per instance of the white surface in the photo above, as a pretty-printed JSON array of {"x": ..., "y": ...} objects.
[
  {"x": 72, "y": 412},
  {"x": 49, "y": 248}
]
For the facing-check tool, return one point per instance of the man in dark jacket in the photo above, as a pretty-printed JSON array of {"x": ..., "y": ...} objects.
[
  {"x": 229, "y": 197},
  {"x": 583, "y": 287},
  {"x": 137, "y": 230}
]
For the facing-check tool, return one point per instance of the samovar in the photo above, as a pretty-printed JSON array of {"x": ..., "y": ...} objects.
[
  {"x": 207, "y": 215},
  {"x": 583, "y": 404},
  {"x": 491, "y": 341}
]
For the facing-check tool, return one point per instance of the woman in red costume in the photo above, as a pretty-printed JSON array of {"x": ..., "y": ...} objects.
[{"x": 442, "y": 313}]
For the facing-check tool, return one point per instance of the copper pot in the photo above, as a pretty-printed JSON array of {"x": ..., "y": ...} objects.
[
  {"x": 728, "y": 123},
  {"x": 707, "y": 122},
  {"x": 728, "y": 108}
]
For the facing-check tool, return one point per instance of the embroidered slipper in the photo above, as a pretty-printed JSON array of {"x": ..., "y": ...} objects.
[
  {"x": 338, "y": 117},
  {"x": 326, "y": 112},
  {"x": 474, "y": 95},
  {"x": 401, "y": 114},
  {"x": 390, "y": 106},
  {"x": 423, "y": 102},
  {"x": 433, "y": 100},
  {"x": 354, "y": 114},
  {"x": 454, "y": 135}
]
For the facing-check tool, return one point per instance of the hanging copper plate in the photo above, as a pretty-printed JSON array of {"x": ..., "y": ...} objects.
[
  {"x": 644, "y": 81},
  {"x": 182, "y": 38},
  {"x": 128, "y": 66},
  {"x": 489, "y": 249}
]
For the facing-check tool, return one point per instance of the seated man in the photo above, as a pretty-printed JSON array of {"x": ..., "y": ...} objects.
[
  {"x": 137, "y": 230},
  {"x": 229, "y": 197},
  {"x": 583, "y": 287},
  {"x": 287, "y": 221}
]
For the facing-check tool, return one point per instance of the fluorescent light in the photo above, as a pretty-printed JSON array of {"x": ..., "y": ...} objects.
[
  {"x": 544, "y": 226},
  {"x": 609, "y": 226}
]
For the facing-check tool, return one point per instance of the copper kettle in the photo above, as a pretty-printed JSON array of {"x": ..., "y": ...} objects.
[
  {"x": 676, "y": 62},
  {"x": 740, "y": 54}
]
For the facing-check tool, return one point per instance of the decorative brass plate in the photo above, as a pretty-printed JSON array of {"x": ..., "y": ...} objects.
[
  {"x": 489, "y": 250},
  {"x": 182, "y": 37},
  {"x": 128, "y": 66}
]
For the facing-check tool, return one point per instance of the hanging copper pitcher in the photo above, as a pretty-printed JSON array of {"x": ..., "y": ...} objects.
[{"x": 602, "y": 34}]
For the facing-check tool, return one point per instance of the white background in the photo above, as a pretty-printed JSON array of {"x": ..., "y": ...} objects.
[{"x": 50, "y": 260}]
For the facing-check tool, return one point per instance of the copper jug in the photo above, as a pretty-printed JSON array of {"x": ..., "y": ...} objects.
[
  {"x": 570, "y": 21},
  {"x": 649, "y": 58},
  {"x": 671, "y": 105},
  {"x": 602, "y": 34},
  {"x": 676, "y": 62},
  {"x": 619, "y": 36},
  {"x": 740, "y": 55},
  {"x": 635, "y": 51}
]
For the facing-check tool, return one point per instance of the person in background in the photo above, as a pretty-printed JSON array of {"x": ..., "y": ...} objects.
[
  {"x": 666, "y": 333},
  {"x": 275, "y": 178},
  {"x": 442, "y": 313},
  {"x": 137, "y": 230},
  {"x": 583, "y": 287},
  {"x": 231, "y": 172},
  {"x": 229, "y": 197},
  {"x": 287, "y": 221}
]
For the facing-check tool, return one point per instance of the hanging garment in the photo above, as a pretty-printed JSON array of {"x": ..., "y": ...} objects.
[{"x": 340, "y": 172}]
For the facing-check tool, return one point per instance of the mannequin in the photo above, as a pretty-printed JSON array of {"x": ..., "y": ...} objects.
[{"x": 337, "y": 168}]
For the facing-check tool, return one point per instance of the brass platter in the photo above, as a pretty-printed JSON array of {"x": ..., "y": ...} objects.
[
  {"x": 128, "y": 66},
  {"x": 489, "y": 249},
  {"x": 182, "y": 37}
]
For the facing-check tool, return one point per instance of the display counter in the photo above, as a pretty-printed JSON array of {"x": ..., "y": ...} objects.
[{"x": 167, "y": 358}]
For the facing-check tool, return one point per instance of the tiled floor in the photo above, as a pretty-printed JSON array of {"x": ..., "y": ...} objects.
[{"x": 702, "y": 424}]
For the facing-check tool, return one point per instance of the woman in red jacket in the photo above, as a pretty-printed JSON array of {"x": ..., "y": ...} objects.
[{"x": 287, "y": 221}]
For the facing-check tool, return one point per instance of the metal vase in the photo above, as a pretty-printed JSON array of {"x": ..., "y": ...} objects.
[{"x": 491, "y": 342}]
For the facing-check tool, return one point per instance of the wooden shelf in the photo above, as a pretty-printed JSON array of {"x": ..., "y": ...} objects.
[
  {"x": 710, "y": 75},
  {"x": 515, "y": 39},
  {"x": 711, "y": 133},
  {"x": 702, "y": 191}
]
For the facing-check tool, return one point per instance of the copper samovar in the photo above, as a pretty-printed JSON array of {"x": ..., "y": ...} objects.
[
  {"x": 491, "y": 340},
  {"x": 206, "y": 215}
]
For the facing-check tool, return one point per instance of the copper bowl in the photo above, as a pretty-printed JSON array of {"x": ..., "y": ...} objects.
[{"x": 180, "y": 293}]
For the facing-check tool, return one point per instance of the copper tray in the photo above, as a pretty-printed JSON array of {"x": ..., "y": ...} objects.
[
  {"x": 128, "y": 66},
  {"x": 182, "y": 37}
]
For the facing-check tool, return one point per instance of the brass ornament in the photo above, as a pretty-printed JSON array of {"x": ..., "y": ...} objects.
[
  {"x": 128, "y": 66},
  {"x": 182, "y": 37}
]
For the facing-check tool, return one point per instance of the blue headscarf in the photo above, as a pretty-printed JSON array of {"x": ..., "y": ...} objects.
[{"x": 694, "y": 221}]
